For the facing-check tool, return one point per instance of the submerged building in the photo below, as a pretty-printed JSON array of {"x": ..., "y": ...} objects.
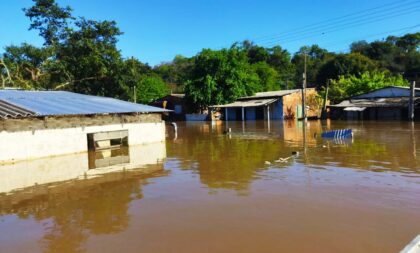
[
  {"x": 36, "y": 124},
  {"x": 389, "y": 103},
  {"x": 282, "y": 104}
]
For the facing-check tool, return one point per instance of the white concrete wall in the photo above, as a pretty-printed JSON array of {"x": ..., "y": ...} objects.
[
  {"x": 24, "y": 145},
  {"x": 67, "y": 167}
]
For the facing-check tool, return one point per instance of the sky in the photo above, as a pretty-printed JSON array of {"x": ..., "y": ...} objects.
[{"x": 157, "y": 30}]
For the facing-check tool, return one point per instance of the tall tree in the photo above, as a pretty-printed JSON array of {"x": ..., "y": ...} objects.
[
  {"x": 345, "y": 64},
  {"x": 220, "y": 77},
  {"x": 315, "y": 58}
]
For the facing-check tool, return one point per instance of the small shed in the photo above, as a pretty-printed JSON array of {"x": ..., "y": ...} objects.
[
  {"x": 389, "y": 103},
  {"x": 278, "y": 105},
  {"x": 35, "y": 124},
  {"x": 174, "y": 102}
]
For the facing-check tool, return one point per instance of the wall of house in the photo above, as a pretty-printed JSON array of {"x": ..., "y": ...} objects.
[
  {"x": 74, "y": 166},
  {"x": 23, "y": 139},
  {"x": 293, "y": 102},
  {"x": 232, "y": 114},
  {"x": 250, "y": 113},
  {"x": 276, "y": 109}
]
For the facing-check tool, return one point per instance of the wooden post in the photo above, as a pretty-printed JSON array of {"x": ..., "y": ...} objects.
[
  {"x": 326, "y": 95},
  {"x": 411, "y": 103},
  {"x": 304, "y": 91}
]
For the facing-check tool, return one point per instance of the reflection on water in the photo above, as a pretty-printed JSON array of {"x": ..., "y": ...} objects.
[
  {"x": 61, "y": 168},
  {"x": 221, "y": 191}
]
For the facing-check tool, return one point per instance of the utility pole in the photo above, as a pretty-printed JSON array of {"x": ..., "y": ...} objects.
[
  {"x": 411, "y": 103},
  {"x": 324, "y": 106},
  {"x": 304, "y": 90},
  {"x": 134, "y": 94}
]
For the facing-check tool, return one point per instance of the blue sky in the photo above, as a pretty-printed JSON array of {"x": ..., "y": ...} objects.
[{"x": 157, "y": 30}]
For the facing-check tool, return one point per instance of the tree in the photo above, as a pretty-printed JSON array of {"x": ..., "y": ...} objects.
[
  {"x": 345, "y": 64},
  {"x": 351, "y": 85},
  {"x": 50, "y": 19},
  {"x": 280, "y": 60},
  {"x": 399, "y": 55},
  {"x": 175, "y": 73},
  {"x": 315, "y": 58},
  {"x": 220, "y": 77},
  {"x": 30, "y": 67},
  {"x": 150, "y": 87},
  {"x": 268, "y": 76}
]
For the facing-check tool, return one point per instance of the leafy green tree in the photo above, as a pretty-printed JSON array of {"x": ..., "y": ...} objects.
[
  {"x": 150, "y": 87},
  {"x": 50, "y": 20},
  {"x": 30, "y": 67},
  {"x": 315, "y": 58},
  {"x": 257, "y": 54},
  {"x": 176, "y": 72},
  {"x": 399, "y": 55},
  {"x": 220, "y": 77},
  {"x": 351, "y": 85},
  {"x": 345, "y": 64},
  {"x": 280, "y": 60},
  {"x": 268, "y": 76}
]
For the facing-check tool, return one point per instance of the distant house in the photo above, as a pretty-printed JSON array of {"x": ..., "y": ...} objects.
[
  {"x": 35, "y": 124},
  {"x": 282, "y": 104},
  {"x": 389, "y": 103},
  {"x": 174, "y": 102}
]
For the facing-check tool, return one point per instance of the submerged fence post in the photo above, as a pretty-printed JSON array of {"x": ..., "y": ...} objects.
[{"x": 411, "y": 102}]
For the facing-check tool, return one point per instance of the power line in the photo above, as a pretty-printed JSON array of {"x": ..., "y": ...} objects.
[
  {"x": 406, "y": 29},
  {"x": 322, "y": 31},
  {"x": 335, "y": 21},
  {"x": 318, "y": 33}
]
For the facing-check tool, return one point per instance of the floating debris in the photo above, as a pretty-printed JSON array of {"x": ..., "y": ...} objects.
[{"x": 341, "y": 133}]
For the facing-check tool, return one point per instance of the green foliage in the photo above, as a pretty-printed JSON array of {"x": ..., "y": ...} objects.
[
  {"x": 315, "y": 58},
  {"x": 150, "y": 87},
  {"x": 399, "y": 55},
  {"x": 81, "y": 55},
  {"x": 220, "y": 77},
  {"x": 50, "y": 19},
  {"x": 345, "y": 64},
  {"x": 268, "y": 76},
  {"x": 352, "y": 85},
  {"x": 176, "y": 72}
]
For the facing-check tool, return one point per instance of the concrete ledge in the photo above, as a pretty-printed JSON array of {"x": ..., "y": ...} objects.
[{"x": 413, "y": 246}]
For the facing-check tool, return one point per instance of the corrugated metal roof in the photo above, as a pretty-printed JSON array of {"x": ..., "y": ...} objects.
[
  {"x": 271, "y": 94},
  {"x": 247, "y": 103},
  {"x": 50, "y": 103},
  {"x": 8, "y": 110},
  {"x": 376, "y": 102}
]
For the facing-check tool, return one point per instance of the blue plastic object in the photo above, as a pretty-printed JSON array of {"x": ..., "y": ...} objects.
[{"x": 341, "y": 133}]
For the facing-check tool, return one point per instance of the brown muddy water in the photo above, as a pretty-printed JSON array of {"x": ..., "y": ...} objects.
[{"x": 227, "y": 193}]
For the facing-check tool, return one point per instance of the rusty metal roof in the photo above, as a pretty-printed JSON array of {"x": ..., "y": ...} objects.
[{"x": 22, "y": 103}]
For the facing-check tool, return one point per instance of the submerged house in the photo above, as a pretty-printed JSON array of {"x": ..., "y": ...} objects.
[
  {"x": 282, "y": 104},
  {"x": 36, "y": 124},
  {"x": 174, "y": 102},
  {"x": 389, "y": 103}
]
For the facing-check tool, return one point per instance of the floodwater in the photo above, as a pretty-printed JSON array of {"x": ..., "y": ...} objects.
[{"x": 206, "y": 191}]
